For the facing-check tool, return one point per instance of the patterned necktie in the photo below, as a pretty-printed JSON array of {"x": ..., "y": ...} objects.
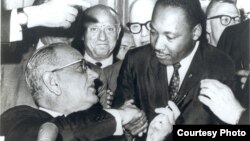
[{"x": 174, "y": 82}]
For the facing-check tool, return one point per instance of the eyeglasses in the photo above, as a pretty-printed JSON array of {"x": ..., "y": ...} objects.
[
  {"x": 109, "y": 29},
  {"x": 83, "y": 65},
  {"x": 136, "y": 28},
  {"x": 226, "y": 20}
]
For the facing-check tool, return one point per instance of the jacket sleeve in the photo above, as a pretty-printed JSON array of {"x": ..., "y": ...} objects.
[
  {"x": 92, "y": 124},
  {"x": 125, "y": 83},
  {"x": 23, "y": 124}
]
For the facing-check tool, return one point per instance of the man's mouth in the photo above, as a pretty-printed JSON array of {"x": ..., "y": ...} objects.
[{"x": 161, "y": 55}]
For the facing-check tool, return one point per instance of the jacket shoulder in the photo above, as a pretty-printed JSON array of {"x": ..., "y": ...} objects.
[
  {"x": 140, "y": 54},
  {"x": 217, "y": 59}
]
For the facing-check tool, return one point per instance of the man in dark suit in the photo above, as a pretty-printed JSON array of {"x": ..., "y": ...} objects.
[
  {"x": 19, "y": 38},
  {"x": 177, "y": 40},
  {"x": 100, "y": 26},
  {"x": 58, "y": 75},
  {"x": 235, "y": 42}
]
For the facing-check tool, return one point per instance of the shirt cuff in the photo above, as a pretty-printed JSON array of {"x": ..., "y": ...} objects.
[
  {"x": 115, "y": 113},
  {"x": 15, "y": 29}
]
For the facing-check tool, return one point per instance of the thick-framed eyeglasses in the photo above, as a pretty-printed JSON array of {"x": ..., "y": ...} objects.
[
  {"x": 82, "y": 62},
  {"x": 226, "y": 20},
  {"x": 107, "y": 28},
  {"x": 136, "y": 28}
]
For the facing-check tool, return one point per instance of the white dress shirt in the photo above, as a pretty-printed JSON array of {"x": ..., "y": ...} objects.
[
  {"x": 185, "y": 63},
  {"x": 113, "y": 112},
  {"x": 15, "y": 28},
  {"x": 106, "y": 62}
]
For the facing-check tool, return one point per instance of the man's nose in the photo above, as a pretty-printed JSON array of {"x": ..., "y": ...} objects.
[
  {"x": 102, "y": 35},
  {"x": 92, "y": 74},
  {"x": 144, "y": 31},
  {"x": 159, "y": 43}
]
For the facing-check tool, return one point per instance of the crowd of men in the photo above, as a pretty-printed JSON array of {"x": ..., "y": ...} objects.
[{"x": 93, "y": 78}]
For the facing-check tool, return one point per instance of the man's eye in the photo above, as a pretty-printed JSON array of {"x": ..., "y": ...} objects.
[
  {"x": 93, "y": 29},
  {"x": 170, "y": 37},
  {"x": 110, "y": 29}
]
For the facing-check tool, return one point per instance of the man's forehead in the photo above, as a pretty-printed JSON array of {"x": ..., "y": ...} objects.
[
  {"x": 173, "y": 19},
  {"x": 103, "y": 16},
  {"x": 170, "y": 13},
  {"x": 221, "y": 8},
  {"x": 68, "y": 54}
]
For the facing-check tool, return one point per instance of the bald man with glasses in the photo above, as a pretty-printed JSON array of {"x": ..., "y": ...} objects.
[
  {"x": 220, "y": 14},
  {"x": 62, "y": 86}
]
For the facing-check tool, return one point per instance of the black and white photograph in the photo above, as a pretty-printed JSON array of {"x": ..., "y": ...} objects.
[{"x": 124, "y": 70}]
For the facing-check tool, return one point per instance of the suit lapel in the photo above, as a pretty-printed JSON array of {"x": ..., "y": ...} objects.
[
  {"x": 160, "y": 78},
  {"x": 192, "y": 77}
]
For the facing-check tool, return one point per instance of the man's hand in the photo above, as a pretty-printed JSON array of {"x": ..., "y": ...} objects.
[
  {"x": 110, "y": 97},
  {"x": 221, "y": 101},
  {"x": 55, "y": 13},
  {"x": 162, "y": 124},
  {"x": 135, "y": 121},
  {"x": 106, "y": 98},
  {"x": 243, "y": 74}
]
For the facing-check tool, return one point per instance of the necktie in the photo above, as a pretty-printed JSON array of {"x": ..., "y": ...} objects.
[
  {"x": 174, "y": 82},
  {"x": 99, "y": 64}
]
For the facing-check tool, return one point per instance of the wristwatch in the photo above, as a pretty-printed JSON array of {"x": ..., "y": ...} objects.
[{"x": 22, "y": 18}]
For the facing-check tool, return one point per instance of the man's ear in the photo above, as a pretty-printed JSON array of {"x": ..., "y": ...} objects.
[
  {"x": 197, "y": 30},
  {"x": 51, "y": 82}
]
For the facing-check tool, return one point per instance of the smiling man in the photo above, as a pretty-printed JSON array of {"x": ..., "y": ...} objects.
[
  {"x": 62, "y": 86},
  {"x": 172, "y": 66}
]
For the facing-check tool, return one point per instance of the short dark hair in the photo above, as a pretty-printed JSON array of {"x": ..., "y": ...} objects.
[
  {"x": 88, "y": 15},
  {"x": 193, "y": 11},
  {"x": 213, "y": 2}
]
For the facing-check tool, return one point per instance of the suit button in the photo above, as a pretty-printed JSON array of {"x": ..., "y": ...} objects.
[{"x": 97, "y": 118}]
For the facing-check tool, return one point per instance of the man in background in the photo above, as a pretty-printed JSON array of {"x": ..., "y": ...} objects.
[
  {"x": 220, "y": 14},
  {"x": 140, "y": 15}
]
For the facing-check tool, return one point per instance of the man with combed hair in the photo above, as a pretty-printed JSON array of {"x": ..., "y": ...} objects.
[
  {"x": 140, "y": 14},
  {"x": 220, "y": 14},
  {"x": 63, "y": 88},
  {"x": 173, "y": 65},
  {"x": 99, "y": 30}
]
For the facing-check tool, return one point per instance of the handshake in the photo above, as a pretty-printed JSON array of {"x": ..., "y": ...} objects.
[{"x": 135, "y": 121}]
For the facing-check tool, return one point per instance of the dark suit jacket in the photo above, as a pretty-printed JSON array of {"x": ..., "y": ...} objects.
[
  {"x": 108, "y": 79},
  {"x": 235, "y": 42},
  {"x": 22, "y": 123},
  {"x": 143, "y": 78}
]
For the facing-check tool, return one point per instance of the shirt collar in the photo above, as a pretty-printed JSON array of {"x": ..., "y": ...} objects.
[
  {"x": 52, "y": 113},
  {"x": 187, "y": 60},
  {"x": 105, "y": 62}
]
